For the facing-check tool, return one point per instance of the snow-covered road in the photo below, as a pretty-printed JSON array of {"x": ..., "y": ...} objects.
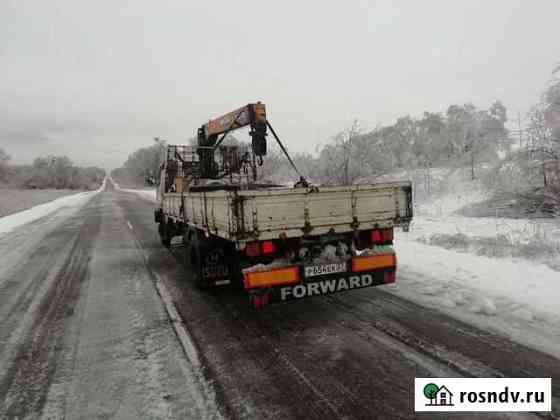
[{"x": 83, "y": 333}]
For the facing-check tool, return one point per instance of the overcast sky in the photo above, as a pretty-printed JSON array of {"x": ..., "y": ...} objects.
[{"x": 97, "y": 79}]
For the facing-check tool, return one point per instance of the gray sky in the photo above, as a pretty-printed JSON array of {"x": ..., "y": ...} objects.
[{"x": 97, "y": 79}]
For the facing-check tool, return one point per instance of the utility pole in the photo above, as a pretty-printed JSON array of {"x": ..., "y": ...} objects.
[{"x": 472, "y": 164}]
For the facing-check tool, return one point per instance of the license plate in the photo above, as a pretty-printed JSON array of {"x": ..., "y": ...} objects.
[{"x": 321, "y": 269}]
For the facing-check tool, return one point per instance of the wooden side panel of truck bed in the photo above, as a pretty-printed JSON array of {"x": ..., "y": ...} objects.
[{"x": 265, "y": 214}]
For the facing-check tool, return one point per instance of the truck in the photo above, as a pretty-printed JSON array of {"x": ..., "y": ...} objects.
[{"x": 275, "y": 242}]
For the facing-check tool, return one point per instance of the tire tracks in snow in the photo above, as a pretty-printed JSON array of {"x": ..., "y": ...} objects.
[
  {"x": 206, "y": 395},
  {"x": 25, "y": 384},
  {"x": 459, "y": 363}
]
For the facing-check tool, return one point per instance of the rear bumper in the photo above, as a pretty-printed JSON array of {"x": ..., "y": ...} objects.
[
  {"x": 326, "y": 285},
  {"x": 356, "y": 276}
]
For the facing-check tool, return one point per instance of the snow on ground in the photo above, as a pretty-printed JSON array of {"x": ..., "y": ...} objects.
[
  {"x": 437, "y": 215},
  {"x": 436, "y": 222},
  {"x": 537, "y": 240},
  {"x": 7, "y": 223},
  {"x": 518, "y": 230},
  {"x": 147, "y": 193},
  {"x": 464, "y": 266},
  {"x": 535, "y": 285},
  {"x": 13, "y": 200},
  {"x": 513, "y": 297}
]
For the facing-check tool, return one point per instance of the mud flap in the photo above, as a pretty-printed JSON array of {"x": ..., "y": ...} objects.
[
  {"x": 212, "y": 260},
  {"x": 260, "y": 299}
]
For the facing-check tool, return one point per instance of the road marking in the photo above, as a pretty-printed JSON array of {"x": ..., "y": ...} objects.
[
  {"x": 185, "y": 339},
  {"x": 129, "y": 225},
  {"x": 182, "y": 334}
]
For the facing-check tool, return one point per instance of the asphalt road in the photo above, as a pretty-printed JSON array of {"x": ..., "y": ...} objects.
[{"x": 84, "y": 334}]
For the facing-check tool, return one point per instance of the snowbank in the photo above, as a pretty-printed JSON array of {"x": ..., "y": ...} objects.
[
  {"x": 512, "y": 297},
  {"x": 7, "y": 223},
  {"x": 534, "y": 285},
  {"x": 148, "y": 194},
  {"x": 13, "y": 200},
  {"x": 463, "y": 266},
  {"x": 436, "y": 222}
]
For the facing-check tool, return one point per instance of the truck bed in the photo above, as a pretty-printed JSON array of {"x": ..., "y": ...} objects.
[{"x": 247, "y": 215}]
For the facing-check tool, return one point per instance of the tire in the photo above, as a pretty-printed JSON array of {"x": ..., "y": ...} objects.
[
  {"x": 165, "y": 238},
  {"x": 187, "y": 237},
  {"x": 193, "y": 254}
]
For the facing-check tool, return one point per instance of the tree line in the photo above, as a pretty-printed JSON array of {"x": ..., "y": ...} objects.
[
  {"x": 141, "y": 167},
  {"x": 532, "y": 169},
  {"x": 49, "y": 172},
  {"x": 462, "y": 137}
]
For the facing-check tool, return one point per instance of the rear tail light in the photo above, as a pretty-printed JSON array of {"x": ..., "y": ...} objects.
[
  {"x": 387, "y": 235},
  {"x": 257, "y": 249},
  {"x": 381, "y": 236},
  {"x": 376, "y": 236},
  {"x": 268, "y": 247}
]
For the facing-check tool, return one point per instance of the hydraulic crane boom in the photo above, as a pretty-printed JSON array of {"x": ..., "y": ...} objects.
[{"x": 253, "y": 115}]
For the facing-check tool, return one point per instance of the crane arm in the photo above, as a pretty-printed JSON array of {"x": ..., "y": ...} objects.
[
  {"x": 250, "y": 114},
  {"x": 242, "y": 117},
  {"x": 253, "y": 115}
]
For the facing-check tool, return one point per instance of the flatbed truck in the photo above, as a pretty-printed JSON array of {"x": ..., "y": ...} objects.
[{"x": 277, "y": 243}]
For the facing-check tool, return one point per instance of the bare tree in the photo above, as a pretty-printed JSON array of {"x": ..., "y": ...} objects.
[
  {"x": 541, "y": 145},
  {"x": 347, "y": 157}
]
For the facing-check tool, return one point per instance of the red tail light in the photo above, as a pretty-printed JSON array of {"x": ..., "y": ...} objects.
[
  {"x": 381, "y": 236},
  {"x": 387, "y": 235},
  {"x": 256, "y": 249},
  {"x": 268, "y": 247}
]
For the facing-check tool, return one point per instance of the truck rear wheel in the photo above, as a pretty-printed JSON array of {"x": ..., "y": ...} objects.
[
  {"x": 193, "y": 253},
  {"x": 196, "y": 268},
  {"x": 164, "y": 235}
]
